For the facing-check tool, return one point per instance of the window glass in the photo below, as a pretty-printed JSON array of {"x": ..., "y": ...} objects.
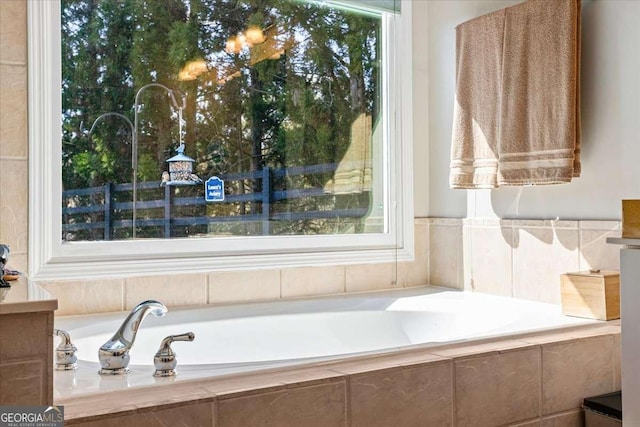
[{"x": 205, "y": 118}]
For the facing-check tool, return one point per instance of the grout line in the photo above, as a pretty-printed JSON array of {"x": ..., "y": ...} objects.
[
  {"x": 454, "y": 407},
  {"x": 579, "y": 248},
  {"x": 347, "y": 404},
  {"x": 13, "y": 63},
  {"x": 15, "y": 158},
  {"x": 207, "y": 297},
  {"x": 613, "y": 362},
  {"x": 541, "y": 390},
  {"x": 124, "y": 295},
  {"x": 344, "y": 279}
]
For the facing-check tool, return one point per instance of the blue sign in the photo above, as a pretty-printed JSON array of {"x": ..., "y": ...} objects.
[{"x": 214, "y": 190}]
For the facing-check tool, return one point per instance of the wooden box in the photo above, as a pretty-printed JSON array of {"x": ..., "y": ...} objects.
[
  {"x": 593, "y": 294},
  {"x": 631, "y": 219}
]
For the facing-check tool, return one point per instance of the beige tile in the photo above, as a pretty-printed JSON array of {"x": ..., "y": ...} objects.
[
  {"x": 370, "y": 277},
  {"x": 595, "y": 252},
  {"x": 534, "y": 423},
  {"x": 497, "y": 389},
  {"x": 596, "y": 329},
  {"x": 466, "y": 281},
  {"x": 421, "y": 242},
  {"x": 403, "y": 397},
  {"x": 575, "y": 370},
  {"x": 15, "y": 343},
  {"x": 92, "y": 406},
  {"x": 23, "y": 382},
  {"x": 453, "y": 222},
  {"x": 95, "y": 296},
  {"x": 199, "y": 414},
  {"x": 540, "y": 256},
  {"x": 302, "y": 377},
  {"x": 545, "y": 223},
  {"x": 13, "y": 31},
  {"x": 413, "y": 273},
  {"x": 309, "y": 281},
  {"x": 445, "y": 255},
  {"x": 13, "y": 204},
  {"x": 248, "y": 285},
  {"x": 171, "y": 290},
  {"x": 13, "y": 110},
  {"x": 599, "y": 225},
  {"x": 18, "y": 261},
  {"x": 617, "y": 366},
  {"x": 243, "y": 386},
  {"x": 568, "y": 419},
  {"x": 416, "y": 272},
  {"x": 491, "y": 260},
  {"x": 263, "y": 382},
  {"x": 385, "y": 362},
  {"x": 464, "y": 351},
  {"x": 314, "y": 406}
]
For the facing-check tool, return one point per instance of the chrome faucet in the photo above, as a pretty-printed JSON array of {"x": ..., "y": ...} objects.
[{"x": 114, "y": 354}]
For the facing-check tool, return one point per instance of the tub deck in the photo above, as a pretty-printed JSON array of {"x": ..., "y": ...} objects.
[
  {"x": 503, "y": 351},
  {"x": 339, "y": 391}
]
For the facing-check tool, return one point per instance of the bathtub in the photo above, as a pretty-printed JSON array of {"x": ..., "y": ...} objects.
[{"x": 247, "y": 337}]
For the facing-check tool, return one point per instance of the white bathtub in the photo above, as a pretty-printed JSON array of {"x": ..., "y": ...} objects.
[{"x": 255, "y": 336}]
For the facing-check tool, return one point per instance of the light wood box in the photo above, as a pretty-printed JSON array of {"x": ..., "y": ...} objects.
[
  {"x": 593, "y": 294},
  {"x": 631, "y": 219}
]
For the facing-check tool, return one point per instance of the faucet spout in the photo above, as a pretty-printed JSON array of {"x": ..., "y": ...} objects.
[{"x": 114, "y": 354}]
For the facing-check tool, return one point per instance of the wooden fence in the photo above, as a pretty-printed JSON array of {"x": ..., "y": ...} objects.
[{"x": 108, "y": 207}]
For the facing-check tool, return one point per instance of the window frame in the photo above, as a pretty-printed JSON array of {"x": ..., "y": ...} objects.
[{"x": 51, "y": 259}]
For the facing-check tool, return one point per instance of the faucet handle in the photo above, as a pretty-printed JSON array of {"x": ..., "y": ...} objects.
[
  {"x": 65, "y": 352},
  {"x": 165, "y": 360}
]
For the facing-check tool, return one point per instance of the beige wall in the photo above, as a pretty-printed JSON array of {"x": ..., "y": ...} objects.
[
  {"x": 13, "y": 130},
  {"x": 610, "y": 125}
]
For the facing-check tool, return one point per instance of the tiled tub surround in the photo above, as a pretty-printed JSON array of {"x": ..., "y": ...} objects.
[
  {"x": 529, "y": 380},
  {"x": 518, "y": 258},
  {"x": 251, "y": 337},
  {"x": 26, "y": 344}
]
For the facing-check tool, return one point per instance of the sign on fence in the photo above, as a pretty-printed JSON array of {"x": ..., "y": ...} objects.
[{"x": 214, "y": 190}]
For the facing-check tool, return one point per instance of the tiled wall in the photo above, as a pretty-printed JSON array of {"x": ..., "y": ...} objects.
[
  {"x": 517, "y": 258},
  {"x": 95, "y": 296},
  {"x": 26, "y": 356},
  {"x": 533, "y": 381},
  {"x": 13, "y": 130}
]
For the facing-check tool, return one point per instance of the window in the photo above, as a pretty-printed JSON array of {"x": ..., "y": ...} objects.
[{"x": 223, "y": 134}]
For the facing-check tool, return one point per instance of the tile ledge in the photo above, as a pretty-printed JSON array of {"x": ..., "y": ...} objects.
[{"x": 195, "y": 391}]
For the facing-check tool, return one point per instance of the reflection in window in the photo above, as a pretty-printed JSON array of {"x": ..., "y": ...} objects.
[{"x": 276, "y": 107}]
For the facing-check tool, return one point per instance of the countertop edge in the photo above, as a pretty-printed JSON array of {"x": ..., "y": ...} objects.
[{"x": 25, "y": 296}]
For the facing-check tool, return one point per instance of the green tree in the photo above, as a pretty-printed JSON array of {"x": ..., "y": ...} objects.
[{"x": 288, "y": 100}]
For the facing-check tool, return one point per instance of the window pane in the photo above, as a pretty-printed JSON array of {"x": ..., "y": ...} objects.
[{"x": 253, "y": 118}]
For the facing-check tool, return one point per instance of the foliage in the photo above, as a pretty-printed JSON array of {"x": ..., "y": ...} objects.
[{"x": 287, "y": 100}]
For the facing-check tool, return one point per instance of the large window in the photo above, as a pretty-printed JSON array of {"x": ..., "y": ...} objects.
[{"x": 190, "y": 125}]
